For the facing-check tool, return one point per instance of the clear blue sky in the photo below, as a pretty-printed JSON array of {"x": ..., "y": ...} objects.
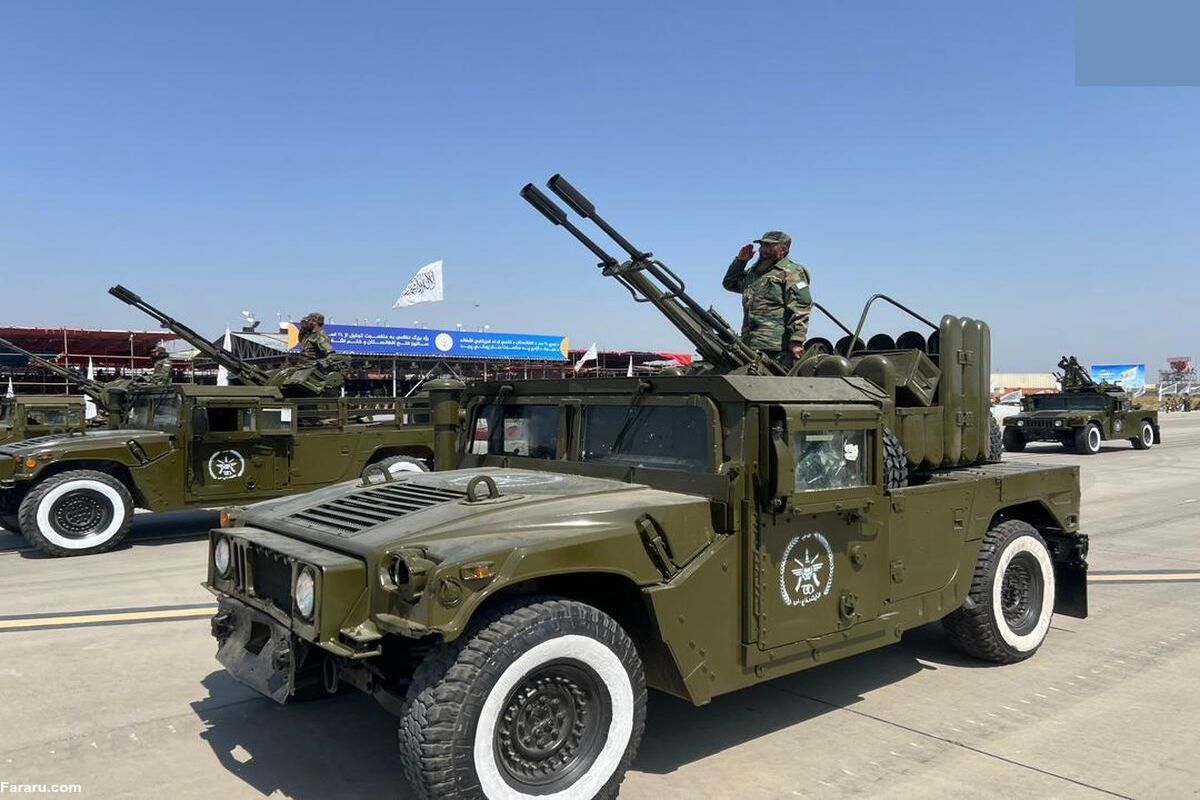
[{"x": 283, "y": 156}]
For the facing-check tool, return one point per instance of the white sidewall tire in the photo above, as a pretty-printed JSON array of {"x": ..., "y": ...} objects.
[
  {"x": 405, "y": 466},
  {"x": 1147, "y": 434},
  {"x": 1031, "y": 640},
  {"x": 613, "y": 675},
  {"x": 120, "y": 513},
  {"x": 1093, "y": 439}
]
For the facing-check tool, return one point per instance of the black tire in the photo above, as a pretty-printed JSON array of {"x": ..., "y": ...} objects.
[
  {"x": 995, "y": 440},
  {"x": 895, "y": 462},
  {"x": 76, "y": 513},
  {"x": 564, "y": 665},
  {"x": 403, "y": 464},
  {"x": 10, "y": 523},
  {"x": 1009, "y": 607},
  {"x": 1014, "y": 440},
  {"x": 1145, "y": 438},
  {"x": 1087, "y": 440}
]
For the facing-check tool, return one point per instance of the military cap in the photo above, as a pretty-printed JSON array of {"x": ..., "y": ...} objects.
[{"x": 774, "y": 237}]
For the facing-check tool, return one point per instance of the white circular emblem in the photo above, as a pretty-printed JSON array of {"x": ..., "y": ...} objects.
[
  {"x": 225, "y": 465},
  {"x": 806, "y": 570},
  {"x": 443, "y": 342}
]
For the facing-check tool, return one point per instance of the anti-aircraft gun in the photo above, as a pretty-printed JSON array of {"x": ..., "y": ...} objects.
[
  {"x": 107, "y": 396},
  {"x": 301, "y": 381},
  {"x": 937, "y": 386}
]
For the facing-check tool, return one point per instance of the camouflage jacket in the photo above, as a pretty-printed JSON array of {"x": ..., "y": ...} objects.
[
  {"x": 160, "y": 375},
  {"x": 316, "y": 348},
  {"x": 776, "y": 304}
]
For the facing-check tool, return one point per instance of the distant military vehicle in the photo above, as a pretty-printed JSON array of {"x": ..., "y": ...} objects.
[
  {"x": 1081, "y": 416},
  {"x": 107, "y": 396},
  {"x": 696, "y": 534},
  {"x": 27, "y": 416}
]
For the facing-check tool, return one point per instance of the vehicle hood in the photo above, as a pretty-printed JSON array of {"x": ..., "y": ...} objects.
[
  {"x": 82, "y": 441},
  {"x": 532, "y": 505}
]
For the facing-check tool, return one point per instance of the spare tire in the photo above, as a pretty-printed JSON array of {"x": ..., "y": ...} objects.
[{"x": 895, "y": 462}]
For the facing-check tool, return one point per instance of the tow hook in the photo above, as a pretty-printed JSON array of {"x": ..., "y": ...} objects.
[
  {"x": 222, "y": 625},
  {"x": 281, "y": 660}
]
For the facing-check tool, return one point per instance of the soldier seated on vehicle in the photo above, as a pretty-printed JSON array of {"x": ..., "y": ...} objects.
[{"x": 160, "y": 375}]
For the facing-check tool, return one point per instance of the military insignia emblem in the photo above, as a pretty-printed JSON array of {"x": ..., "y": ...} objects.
[
  {"x": 225, "y": 465},
  {"x": 806, "y": 569}
]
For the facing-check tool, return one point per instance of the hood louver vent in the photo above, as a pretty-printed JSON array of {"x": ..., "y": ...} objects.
[
  {"x": 356, "y": 512},
  {"x": 32, "y": 444}
]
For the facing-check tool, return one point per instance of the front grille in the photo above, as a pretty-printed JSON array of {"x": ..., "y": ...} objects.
[
  {"x": 261, "y": 573},
  {"x": 354, "y": 513}
]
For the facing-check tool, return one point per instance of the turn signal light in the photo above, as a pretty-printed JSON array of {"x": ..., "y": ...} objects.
[
  {"x": 30, "y": 462},
  {"x": 477, "y": 572},
  {"x": 226, "y": 518}
]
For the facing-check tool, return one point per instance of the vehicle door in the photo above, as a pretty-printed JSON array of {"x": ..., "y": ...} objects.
[
  {"x": 228, "y": 458},
  {"x": 820, "y": 537}
]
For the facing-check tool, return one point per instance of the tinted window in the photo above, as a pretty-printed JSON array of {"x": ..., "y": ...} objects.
[
  {"x": 830, "y": 459},
  {"x": 1049, "y": 402},
  {"x": 1090, "y": 402},
  {"x": 516, "y": 430},
  {"x": 655, "y": 437}
]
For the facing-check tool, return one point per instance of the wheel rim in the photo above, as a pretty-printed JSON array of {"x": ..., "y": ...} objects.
[
  {"x": 552, "y": 727},
  {"x": 1147, "y": 435},
  {"x": 1093, "y": 438},
  {"x": 1021, "y": 593},
  {"x": 81, "y": 513}
]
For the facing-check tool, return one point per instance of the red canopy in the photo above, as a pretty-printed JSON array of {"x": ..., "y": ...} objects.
[{"x": 73, "y": 346}]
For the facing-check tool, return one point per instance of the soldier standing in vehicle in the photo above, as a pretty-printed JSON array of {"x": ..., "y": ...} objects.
[
  {"x": 776, "y": 301},
  {"x": 160, "y": 375},
  {"x": 315, "y": 345}
]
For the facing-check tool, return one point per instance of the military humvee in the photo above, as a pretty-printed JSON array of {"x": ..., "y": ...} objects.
[
  {"x": 1081, "y": 416},
  {"x": 30, "y": 415},
  {"x": 695, "y": 534},
  {"x": 191, "y": 446}
]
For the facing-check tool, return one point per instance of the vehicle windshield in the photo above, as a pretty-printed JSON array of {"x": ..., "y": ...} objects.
[
  {"x": 516, "y": 430},
  {"x": 647, "y": 436},
  {"x": 158, "y": 412},
  {"x": 1090, "y": 402},
  {"x": 1049, "y": 402}
]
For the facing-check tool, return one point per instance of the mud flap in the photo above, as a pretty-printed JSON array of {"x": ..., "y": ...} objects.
[
  {"x": 1070, "y": 575},
  {"x": 255, "y": 649}
]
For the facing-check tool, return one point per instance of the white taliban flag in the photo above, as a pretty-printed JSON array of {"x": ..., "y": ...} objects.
[
  {"x": 10, "y": 392},
  {"x": 629, "y": 372},
  {"x": 425, "y": 287},
  {"x": 227, "y": 346},
  {"x": 89, "y": 405},
  {"x": 590, "y": 355}
]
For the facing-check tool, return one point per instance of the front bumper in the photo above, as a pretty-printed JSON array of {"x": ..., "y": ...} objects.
[{"x": 257, "y": 650}]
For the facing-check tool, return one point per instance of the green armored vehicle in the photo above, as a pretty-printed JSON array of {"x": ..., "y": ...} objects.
[
  {"x": 193, "y": 446},
  {"x": 1081, "y": 416},
  {"x": 694, "y": 534},
  {"x": 27, "y": 416}
]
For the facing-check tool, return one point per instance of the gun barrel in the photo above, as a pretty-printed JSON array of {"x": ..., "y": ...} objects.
[
  {"x": 552, "y": 212},
  {"x": 246, "y": 373},
  {"x": 91, "y": 388}
]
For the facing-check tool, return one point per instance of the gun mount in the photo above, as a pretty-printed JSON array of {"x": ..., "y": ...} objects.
[
  {"x": 302, "y": 381},
  {"x": 107, "y": 396},
  {"x": 937, "y": 384}
]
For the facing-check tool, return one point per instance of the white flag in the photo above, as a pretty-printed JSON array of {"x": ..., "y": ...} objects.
[
  {"x": 590, "y": 355},
  {"x": 222, "y": 373},
  {"x": 89, "y": 405},
  {"x": 629, "y": 372},
  {"x": 10, "y": 392},
  {"x": 425, "y": 287}
]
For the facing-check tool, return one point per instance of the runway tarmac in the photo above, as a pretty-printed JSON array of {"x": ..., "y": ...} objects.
[{"x": 108, "y": 681}]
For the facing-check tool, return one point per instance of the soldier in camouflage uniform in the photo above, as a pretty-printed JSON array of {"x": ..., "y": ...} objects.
[
  {"x": 315, "y": 345},
  {"x": 160, "y": 375},
  {"x": 776, "y": 301}
]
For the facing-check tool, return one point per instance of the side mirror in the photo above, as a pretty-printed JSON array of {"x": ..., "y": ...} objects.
[
  {"x": 782, "y": 475},
  {"x": 199, "y": 421}
]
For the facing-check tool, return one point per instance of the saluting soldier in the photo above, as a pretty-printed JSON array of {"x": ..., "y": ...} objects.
[
  {"x": 315, "y": 345},
  {"x": 776, "y": 299}
]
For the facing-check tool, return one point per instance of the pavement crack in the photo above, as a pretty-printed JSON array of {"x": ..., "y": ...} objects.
[{"x": 952, "y": 742}]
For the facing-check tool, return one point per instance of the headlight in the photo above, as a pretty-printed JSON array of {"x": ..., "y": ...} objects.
[
  {"x": 1058, "y": 423},
  {"x": 1020, "y": 423},
  {"x": 305, "y": 592},
  {"x": 221, "y": 556}
]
